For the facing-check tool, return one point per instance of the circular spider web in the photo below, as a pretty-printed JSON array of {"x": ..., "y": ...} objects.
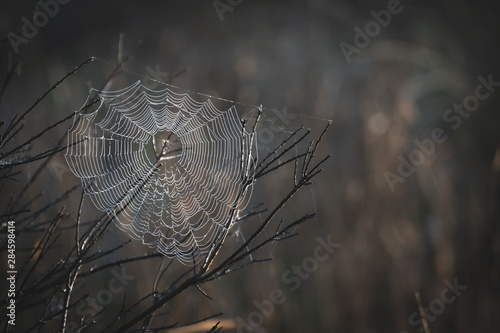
[{"x": 169, "y": 168}]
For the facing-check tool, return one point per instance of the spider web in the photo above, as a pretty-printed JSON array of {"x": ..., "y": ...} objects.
[{"x": 169, "y": 168}]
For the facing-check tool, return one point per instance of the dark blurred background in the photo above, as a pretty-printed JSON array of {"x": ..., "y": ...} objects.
[{"x": 438, "y": 225}]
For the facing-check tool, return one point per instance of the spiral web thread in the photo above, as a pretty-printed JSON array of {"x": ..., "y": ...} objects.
[{"x": 170, "y": 169}]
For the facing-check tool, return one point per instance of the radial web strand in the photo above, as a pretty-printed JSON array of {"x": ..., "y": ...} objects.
[{"x": 169, "y": 168}]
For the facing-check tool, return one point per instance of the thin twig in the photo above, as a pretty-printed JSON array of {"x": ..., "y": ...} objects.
[{"x": 422, "y": 312}]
